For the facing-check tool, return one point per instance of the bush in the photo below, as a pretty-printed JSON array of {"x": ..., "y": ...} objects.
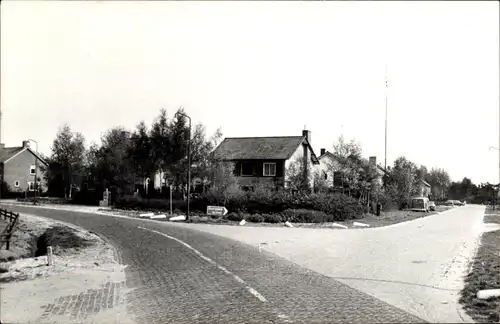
[
  {"x": 306, "y": 216},
  {"x": 86, "y": 197},
  {"x": 272, "y": 218},
  {"x": 138, "y": 203},
  {"x": 255, "y": 218},
  {"x": 262, "y": 201},
  {"x": 234, "y": 217}
]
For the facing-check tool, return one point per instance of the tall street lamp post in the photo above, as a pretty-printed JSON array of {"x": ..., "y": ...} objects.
[
  {"x": 498, "y": 186},
  {"x": 189, "y": 162},
  {"x": 36, "y": 169}
]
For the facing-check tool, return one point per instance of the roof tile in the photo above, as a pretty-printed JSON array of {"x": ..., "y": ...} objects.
[
  {"x": 8, "y": 152},
  {"x": 258, "y": 148}
]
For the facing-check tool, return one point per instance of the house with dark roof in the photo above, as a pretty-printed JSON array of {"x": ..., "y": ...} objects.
[
  {"x": 424, "y": 189},
  {"x": 265, "y": 160},
  {"x": 17, "y": 168},
  {"x": 328, "y": 168}
]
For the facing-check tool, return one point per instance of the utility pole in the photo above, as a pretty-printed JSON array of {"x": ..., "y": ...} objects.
[
  {"x": 498, "y": 149},
  {"x": 386, "y": 90}
]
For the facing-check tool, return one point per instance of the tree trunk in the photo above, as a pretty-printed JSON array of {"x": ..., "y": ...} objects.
[
  {"x": 70, "y": 175},
  {"x": 65, "y": 188}
]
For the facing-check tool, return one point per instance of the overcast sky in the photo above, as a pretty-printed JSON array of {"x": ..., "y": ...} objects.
[{"x": 262, "y": 69}]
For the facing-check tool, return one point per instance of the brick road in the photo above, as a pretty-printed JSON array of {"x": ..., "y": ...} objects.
[
  {"x": 79, "y": 307},
  {"x": 172, "y": 284}
]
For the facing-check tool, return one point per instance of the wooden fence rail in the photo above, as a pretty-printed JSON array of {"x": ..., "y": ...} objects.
[{"x": 6, "y": 234}]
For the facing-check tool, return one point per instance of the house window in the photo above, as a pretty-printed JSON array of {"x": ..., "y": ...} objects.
[
  {"x": 247, "y": 169},
  {"x": 325, "y": 175},
  {"x": 16, "y": 184},
  {"x": 269, "y": 169},
  {"x": 31, "y": 185},
  {"x": 32, "y": 169},
  {"x": 337, "y": 178}
]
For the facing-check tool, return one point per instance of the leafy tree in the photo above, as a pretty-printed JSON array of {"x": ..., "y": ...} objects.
[
  {"x": 179, "y": 141},
  {"x": 201, "y": 149},
  {"x": 53, "y": 175},
  {"x": 320, "y": 184},
  {"x": 297, "y": 179},
  {"x": 222, "y": 177},
  {"x": 367, "y": 184},
  {"x": 68, "y": 153},
  {"x": 140, "y": 152},
  {"x": 439, "y": 181},
  {"x": 466, "y": 190},
  {"x": 112, "y": 164},
  {"x": 403, "y": 182},
  {"x": 161, "y": 145},
  {"x": 349, "y": 162}
]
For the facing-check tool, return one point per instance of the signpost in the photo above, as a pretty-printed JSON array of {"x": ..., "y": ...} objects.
[{"x": 216, "y": 210}]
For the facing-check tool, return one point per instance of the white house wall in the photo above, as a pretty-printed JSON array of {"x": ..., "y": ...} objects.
[
  {"x": 298, "y": 155},
  {"x": 327, "y": 164}
]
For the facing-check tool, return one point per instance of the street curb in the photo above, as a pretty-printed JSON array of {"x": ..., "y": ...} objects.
[
  {"x": 409, "y": 221},
  {"x": 148, "y": 219}
]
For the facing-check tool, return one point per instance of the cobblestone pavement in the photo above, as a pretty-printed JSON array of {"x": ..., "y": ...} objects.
[
  {"x": 218, "y": 280},
  {"x": 79, "y": 307}
]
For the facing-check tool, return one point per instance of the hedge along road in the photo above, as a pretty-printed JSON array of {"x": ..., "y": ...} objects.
[{"x": 180, "y": 275}]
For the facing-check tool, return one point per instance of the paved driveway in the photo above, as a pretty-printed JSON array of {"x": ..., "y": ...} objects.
[
  {"x": 417, "y": 266},
  {"x": 180, "y": 275}
]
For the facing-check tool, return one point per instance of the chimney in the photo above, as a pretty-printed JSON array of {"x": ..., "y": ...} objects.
[
  {"x": 26, "y": 144},
  {"x": 307, "y": 134},
  {"x": 373, "y": 160},
  {"x": 2, "y": 146},
  {"x": 323, "y": 151},
  {"x": 306, "y": 155}
]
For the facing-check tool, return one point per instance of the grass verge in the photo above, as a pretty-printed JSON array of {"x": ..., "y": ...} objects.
[
  {"x": 485, "y": 274},
  {"x": 492, "y": 216},
  {"x": 387, "y": 218}
]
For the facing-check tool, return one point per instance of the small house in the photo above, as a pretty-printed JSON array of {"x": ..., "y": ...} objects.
[{"x": 267, "y": 160}]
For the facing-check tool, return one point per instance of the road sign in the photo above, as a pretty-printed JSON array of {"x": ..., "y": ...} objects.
[{"x": 216, "y": 210}]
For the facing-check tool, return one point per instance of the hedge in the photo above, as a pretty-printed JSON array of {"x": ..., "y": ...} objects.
[{"x": 320, "y": 207}]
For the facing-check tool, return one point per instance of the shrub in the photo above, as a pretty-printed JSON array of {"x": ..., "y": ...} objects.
[
  {"x": 272, "y": 218},
  {"x": 138, "y": 203},
  {"x": 266, "y": 201},
  {"x": 255, "y": 218},
  {"x": 234, "y": 217},
  {"x": 306, "y": 216},
  {"x": 387, "y": 202}
]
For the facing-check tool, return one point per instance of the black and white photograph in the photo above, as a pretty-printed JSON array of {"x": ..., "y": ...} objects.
[{"x": 249, "y": 162}]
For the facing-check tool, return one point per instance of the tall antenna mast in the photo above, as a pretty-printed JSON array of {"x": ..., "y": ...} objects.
[{"x": 386, "y": 90}]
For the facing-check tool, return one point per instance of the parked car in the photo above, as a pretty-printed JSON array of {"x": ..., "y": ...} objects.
[
  {"x": 458, "y": 203},
  {"x": 420, "y": 204},
  {"x": 432, "y": 206}
]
